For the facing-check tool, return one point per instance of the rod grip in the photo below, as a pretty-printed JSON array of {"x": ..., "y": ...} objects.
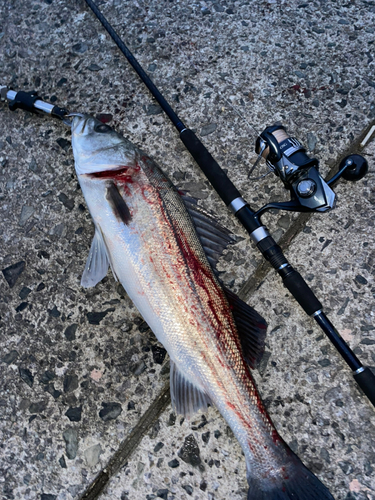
[
  {"x": 212, "y": 170},
  {"x": 301, "y": 291},
  {"x": 292, "y": 279},
  {"x": 366, "y": 381}
]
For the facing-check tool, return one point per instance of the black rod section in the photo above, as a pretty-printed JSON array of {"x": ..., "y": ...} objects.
[
  {"x": 292, "y": 280},
  {"x": 338, "y": 341},
  {"x": 215, "y": 174},
  {"x": 364, "y": 377},
  {"x": 138, "y": 68}
]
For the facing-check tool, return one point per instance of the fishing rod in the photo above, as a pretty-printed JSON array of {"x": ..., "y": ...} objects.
[{"x": 287, "y": 158}]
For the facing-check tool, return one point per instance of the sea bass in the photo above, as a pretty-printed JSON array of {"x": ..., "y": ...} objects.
[{"x": 145, "y": 231}]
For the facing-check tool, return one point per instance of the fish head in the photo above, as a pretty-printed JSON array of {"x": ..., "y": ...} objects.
[{"x": 97, "y": 147}]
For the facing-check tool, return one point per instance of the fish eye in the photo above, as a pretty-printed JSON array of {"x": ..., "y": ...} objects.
[{"x": 102, "y": 128}]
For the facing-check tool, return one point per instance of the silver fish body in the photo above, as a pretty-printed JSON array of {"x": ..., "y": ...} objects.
[{"x": 145, "y": 233}]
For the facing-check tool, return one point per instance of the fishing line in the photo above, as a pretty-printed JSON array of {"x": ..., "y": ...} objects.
[{"x": 253, "y": 167}]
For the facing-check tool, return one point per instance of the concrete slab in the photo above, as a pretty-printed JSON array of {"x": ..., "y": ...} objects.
[{"x": 79, "y": 368}]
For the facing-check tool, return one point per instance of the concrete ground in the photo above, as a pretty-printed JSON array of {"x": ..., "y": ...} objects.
[{"x": 79, "y": 368}]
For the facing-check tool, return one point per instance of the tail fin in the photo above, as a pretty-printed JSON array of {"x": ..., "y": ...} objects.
[{"x": 301, "y": 484}]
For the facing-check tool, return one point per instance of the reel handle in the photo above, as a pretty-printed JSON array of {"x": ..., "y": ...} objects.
[{"x": 351, "y": 168}]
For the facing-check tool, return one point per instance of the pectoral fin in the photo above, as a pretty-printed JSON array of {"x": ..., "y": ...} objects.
[
  {"x": 186, "y": 397},
  {"x": 97, "y": 262}
]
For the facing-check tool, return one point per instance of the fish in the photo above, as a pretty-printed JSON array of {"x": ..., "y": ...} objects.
[{"x": 163, "y": 247}]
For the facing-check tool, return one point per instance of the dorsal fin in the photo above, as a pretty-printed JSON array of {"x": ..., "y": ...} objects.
[
  {"x": 251, "y": 328},
  {"x": 214, "y": 237}
]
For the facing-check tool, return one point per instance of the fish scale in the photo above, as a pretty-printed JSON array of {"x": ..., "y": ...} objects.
[{"x": 144, "y": 231}]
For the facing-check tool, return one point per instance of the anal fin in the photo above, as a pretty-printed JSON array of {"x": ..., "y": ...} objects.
[{"x": 186, "y": 398}]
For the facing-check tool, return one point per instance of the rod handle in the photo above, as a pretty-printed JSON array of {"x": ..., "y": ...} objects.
[
  {"x": 366, "y": 381},
  {"x": 292, "y": 279},
  {"x": 211, "y": 169},
  {"x": 301, "y": 291}
]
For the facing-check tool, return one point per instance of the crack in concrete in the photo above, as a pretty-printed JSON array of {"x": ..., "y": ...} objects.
[
  {"x": 129, "y": 444},
  {"x": 157, "y": 407}
]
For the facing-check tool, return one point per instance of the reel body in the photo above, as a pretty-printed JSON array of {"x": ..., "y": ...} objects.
[{"x": 286, "y": 158}]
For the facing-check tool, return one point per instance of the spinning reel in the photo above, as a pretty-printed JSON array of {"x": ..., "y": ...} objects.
[{"x": 286, "y": 157}]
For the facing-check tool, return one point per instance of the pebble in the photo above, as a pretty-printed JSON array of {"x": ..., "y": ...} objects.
[
  {"x": 26, "y": 376},
  {"x": 206, "y": 437},
  {"x": 94, "y": 67},
  {"x": 218, "y": 8},
  {"x": 38, "y": 407},
  {"x": 163, "y": 493},
  {"x": 110, "y": 411},
  {"x": 189, "y": 451},
  {"x": 333, "y": 394},
  {"x": 22, "y": 306},
  {"x": 54, "y": 312},
  {"x": 158, "y": 354},
  {"x": 24, "y": 292},
  {"x": 343, "y": 307},
  {"x": 153, "y": 109},
  {"x": 63, "y": 143},
  {"x": 367, "y": 342},
  {"x": 361, "y": 280},
  {"x": 50, "y": 388},
  {"x": 324, "y": 362},
  {"x": 346, "y": 467},
  {"x": 74, "y": 414},
  {"x": 68, "y": 203},
  {"x": 80, "y": 47},
  {"x": 325, "y": 455},
  {"x": 158, "y": 447},
  {"x": 208, "y": 129},
  {"x": 70, "y": 332},
  {"x": 284, "y": 221},
  {"x": 71, "y": 439},
  {"x": 311, "y": 141},
  {"x": 33, "y": 166},
  {"x": 48, "y": 496},
  {"x": 172, "y": 419},
  {"x": 139, "y": 368},
  {"x": 92, "y": 455},
  {"x": 26, "y": 212},
  {"x": 47, "y": 377},
  {"x": 58, "y": 230},
  {"x": 173, "y": 464},
  {"x": 95, "y": 318},
  {"x": 70, "y": 382},
  {"x": 10, "y": 357}
]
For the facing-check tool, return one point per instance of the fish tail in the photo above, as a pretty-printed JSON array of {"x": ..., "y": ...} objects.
[{"x": 299, "y": 484}]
